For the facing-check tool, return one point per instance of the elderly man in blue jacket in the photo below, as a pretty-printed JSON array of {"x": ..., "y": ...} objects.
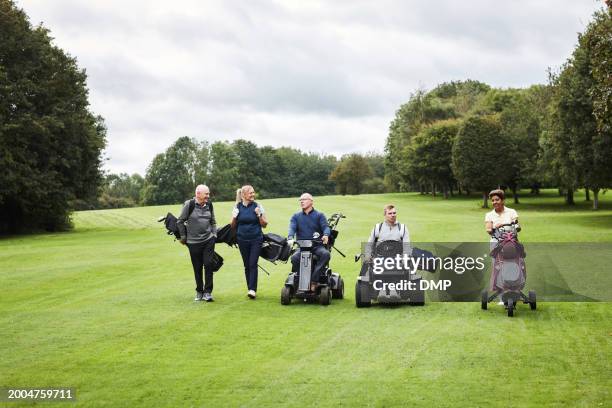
[{"x": 309, "y": 224}]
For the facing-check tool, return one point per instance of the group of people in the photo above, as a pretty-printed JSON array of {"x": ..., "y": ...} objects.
[{"x": 198, "y": 229}]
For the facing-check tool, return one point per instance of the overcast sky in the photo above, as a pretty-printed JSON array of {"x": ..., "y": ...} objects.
[{"x": 321, "y": 76}]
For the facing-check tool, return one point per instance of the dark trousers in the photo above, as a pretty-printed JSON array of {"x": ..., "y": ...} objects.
[
  {"x": 322, "y": 258},
  {"x": 201, "y": 257},
  {"x": 250, "y": 256}
]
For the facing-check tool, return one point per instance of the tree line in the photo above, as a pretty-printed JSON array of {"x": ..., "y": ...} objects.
[
  {"x": 467, "y": 136},
  {"x": 225, "y": 166}
]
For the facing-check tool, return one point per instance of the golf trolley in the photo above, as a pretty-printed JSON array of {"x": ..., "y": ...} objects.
[
  {"x": 382, "y": 287},
  {"x": 330, "y": 284},
  {"x": 509, "y": 274}
]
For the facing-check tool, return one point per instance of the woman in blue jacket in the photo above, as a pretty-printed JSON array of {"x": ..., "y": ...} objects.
[{"x": 248, "y": 218}]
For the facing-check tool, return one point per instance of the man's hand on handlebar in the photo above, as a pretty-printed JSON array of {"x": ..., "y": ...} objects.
[{"x": 325, "y": 239}]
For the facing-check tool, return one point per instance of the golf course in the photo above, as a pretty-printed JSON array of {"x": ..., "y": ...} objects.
[{"x": 108, "y": 310}]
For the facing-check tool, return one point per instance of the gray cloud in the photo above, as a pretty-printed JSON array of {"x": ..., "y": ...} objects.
[{"x": 322, "y": 76}]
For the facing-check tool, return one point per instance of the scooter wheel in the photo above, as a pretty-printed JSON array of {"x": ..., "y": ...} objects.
[
  {"x": 285, "y": 295},
  {"x": 339, "y": 293},
  {"x": 484, "y": 299},
  {"x": 510, "y": 307},
  {"x": 325, "y": 296},
  {"x": 532, "y": 300},
  {"x": 360, "y": 300}
]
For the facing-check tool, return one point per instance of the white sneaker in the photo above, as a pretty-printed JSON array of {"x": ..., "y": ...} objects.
[{"x": 251, "y": 294}]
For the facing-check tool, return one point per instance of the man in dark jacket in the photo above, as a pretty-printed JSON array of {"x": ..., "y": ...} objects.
[{"x": 198, "y": 231}]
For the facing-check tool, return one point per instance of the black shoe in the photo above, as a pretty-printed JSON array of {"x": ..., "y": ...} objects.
[
  {"x": 207, "y": 297},
  {"x": 199, "y": 296}
]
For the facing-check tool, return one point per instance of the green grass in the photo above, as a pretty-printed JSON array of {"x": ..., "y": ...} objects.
[{"x": 108, "y": 309}]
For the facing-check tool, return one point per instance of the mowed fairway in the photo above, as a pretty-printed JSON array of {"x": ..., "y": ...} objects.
[{"x": 108, "y": 309}]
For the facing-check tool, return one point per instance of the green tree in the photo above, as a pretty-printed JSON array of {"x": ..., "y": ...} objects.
[
  {"x": 171, "y": 176},
  {"x": 598, "y": 38},
  {"x": 520, "y": 115},
  {"x": 249, "y": 165},
  {"x": 224, "y": 175},
  {"x": 50, "y": 143},
  {"x": 446, "y": 101},
  {"x": 538, "y": 172},
  {"x": 520, "y": 125},
  {"x": 404, "y": 126},
  {"x": 121, "y": 190},
  {"x": 290, "y": 166},
  {"x": 202, "y": 165},
  {"x": 272, "y": 176},
  {"x": 429, "y": 155},
  {"x": 351, "y": 173},
  {"x": 495, "y": 101},
  {"x": 580, "y": 141},
  {"x": 376, "y": 183},
  {"x": 479, "y": 156},
  {"x": 304, "y": 172},
  {"x": 462, "y": 95},
  {"x": 597, "y": 45},
  {"x": 376, "y": 161},
  {"x": 315, "y": 178}
]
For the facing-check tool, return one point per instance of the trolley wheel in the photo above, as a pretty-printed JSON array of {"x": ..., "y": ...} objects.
[
  {"x": 532, "y": 300},
  {"x": 285, "y": 295},
  {"x": 484, "y": 299},
  {"x": 510, "y": 307}
]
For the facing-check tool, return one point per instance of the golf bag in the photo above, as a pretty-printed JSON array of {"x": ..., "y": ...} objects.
[
  {"x": 509, "y": 272},
  {"x": 227, "y": 234},
  {"x": 275, "y": 248},
  {"x": 171, "y": 224}
]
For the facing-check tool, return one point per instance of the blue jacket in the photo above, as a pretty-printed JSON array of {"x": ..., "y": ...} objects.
[{"x": 307, "y": 225}]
